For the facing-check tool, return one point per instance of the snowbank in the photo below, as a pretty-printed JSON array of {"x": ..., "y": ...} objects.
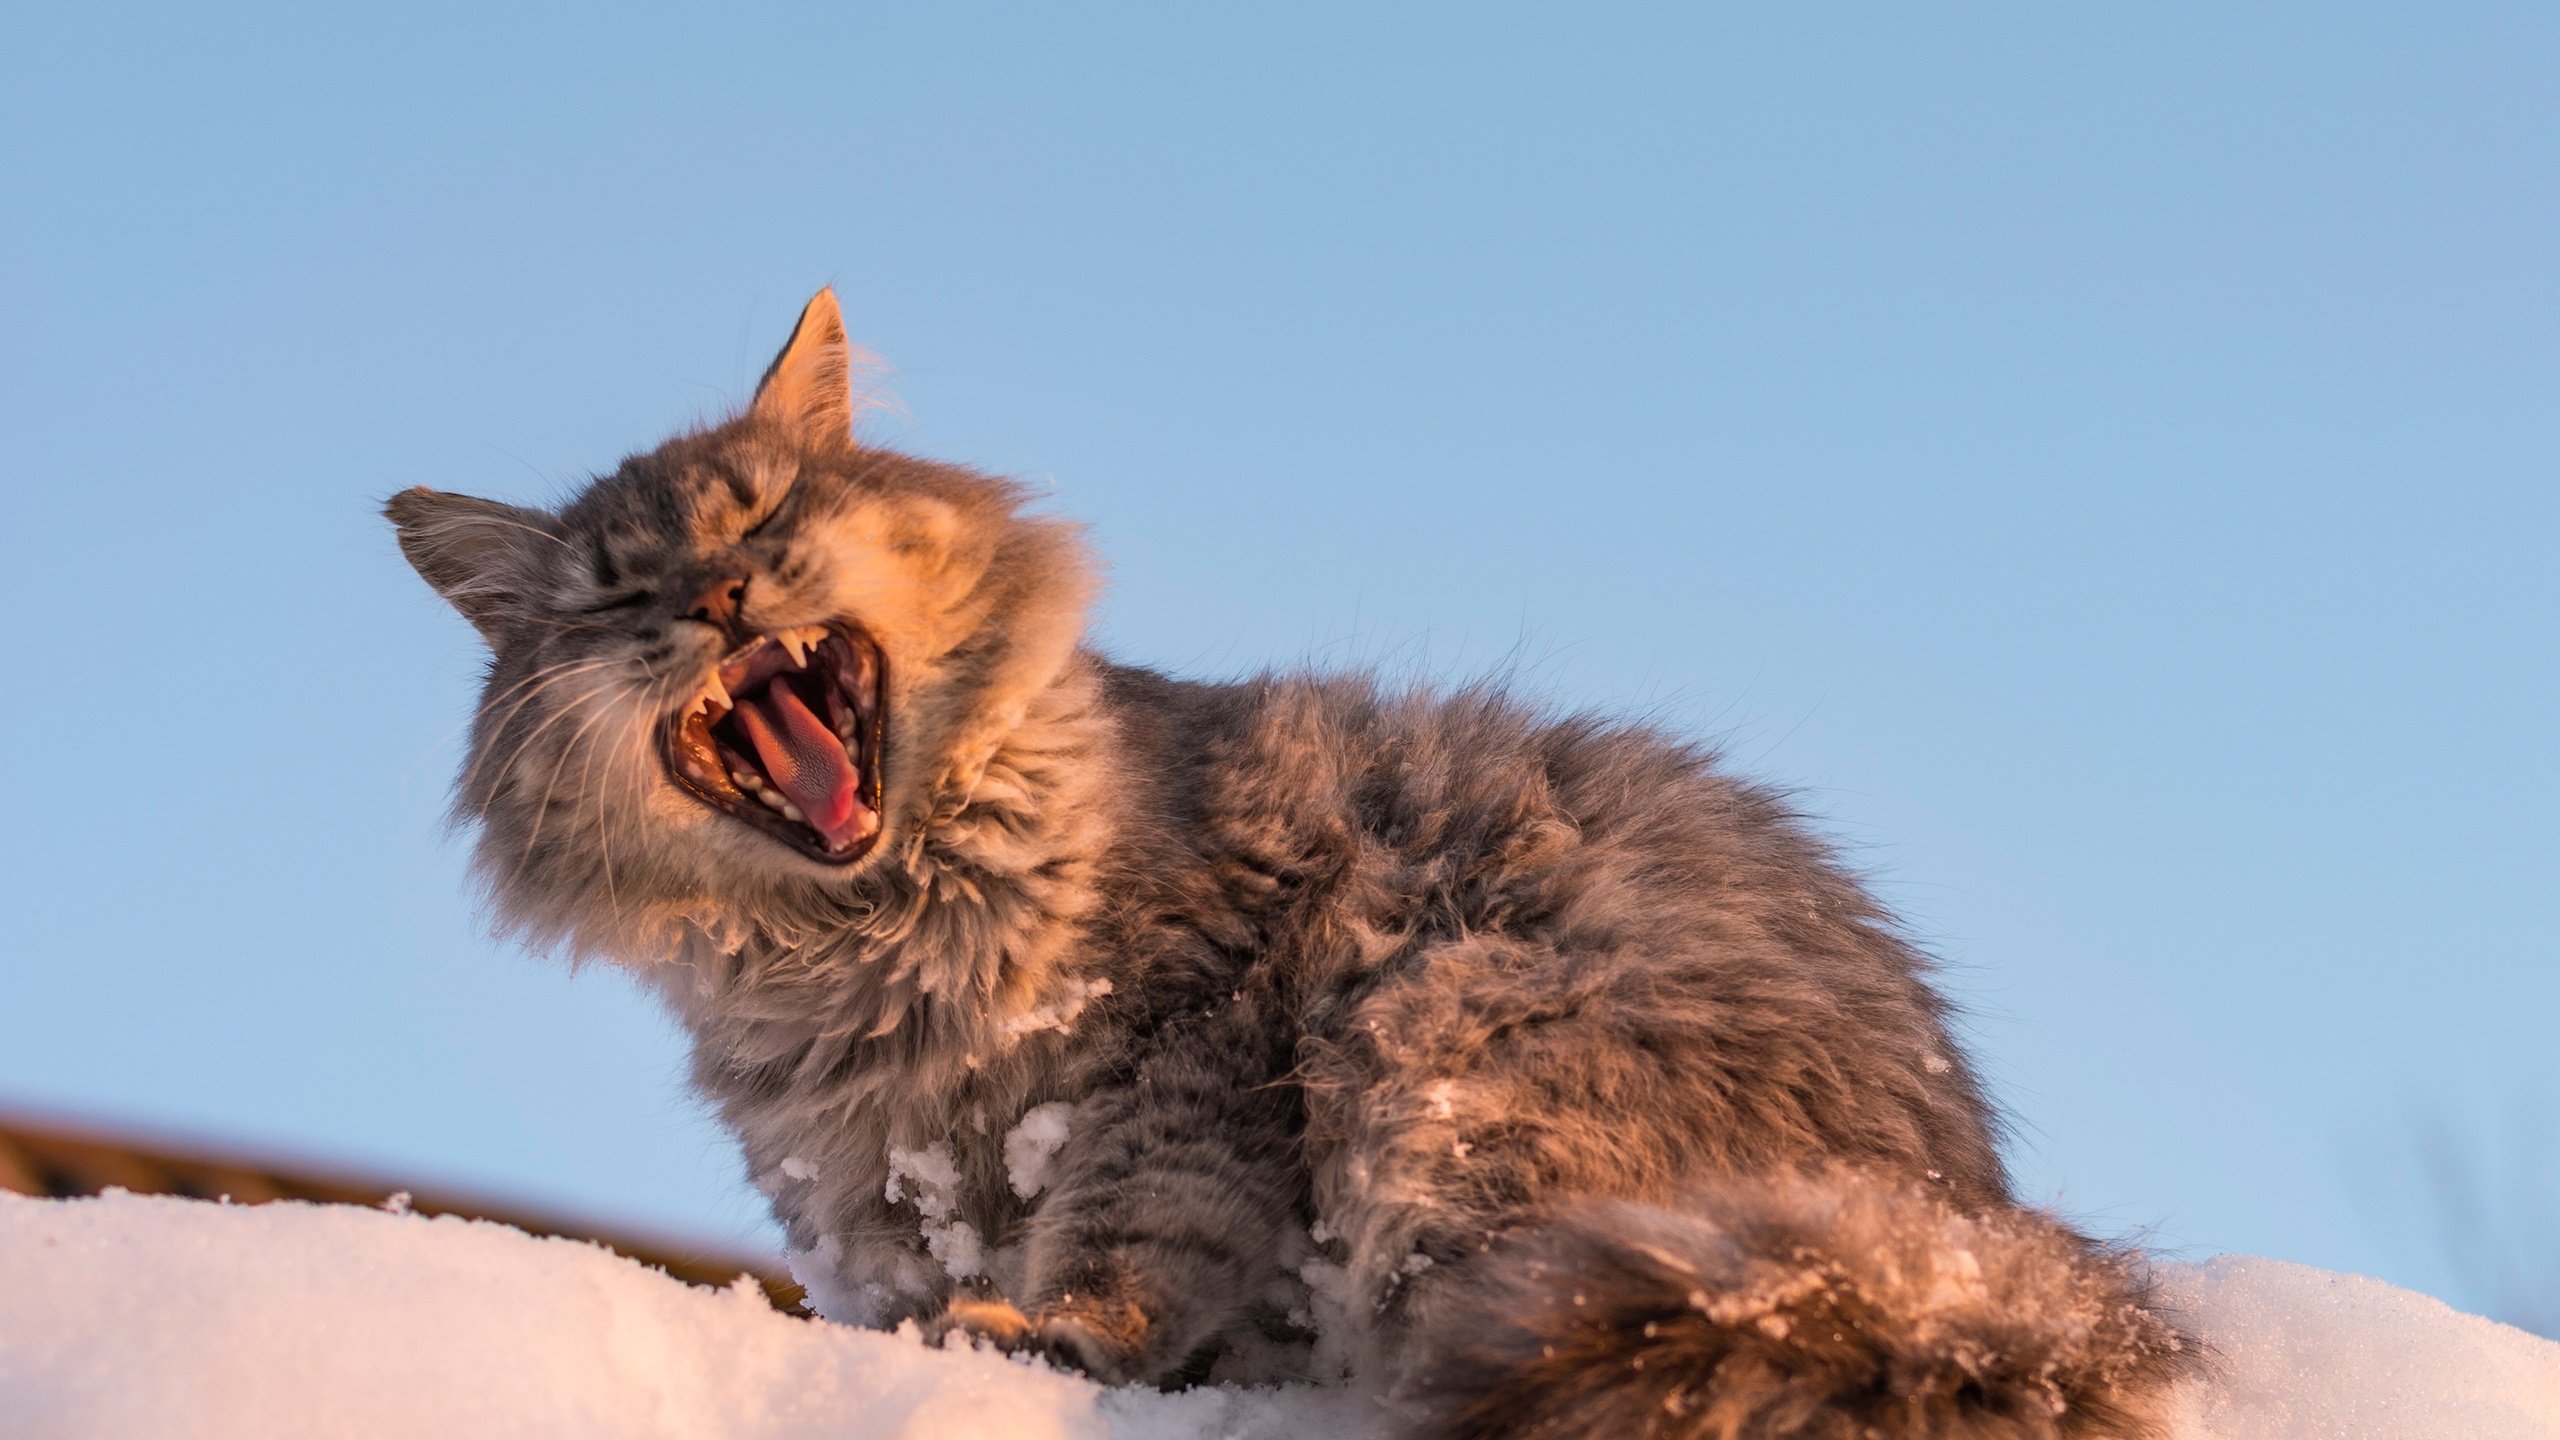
[
  {"x": 130, "y": 1316},
  {"x": 2306, "y": 1353}
]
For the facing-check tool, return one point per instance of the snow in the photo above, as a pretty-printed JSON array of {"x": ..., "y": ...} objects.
[
  {"x": 936, "y": 1174},
  {"x": 1058, "y": 1015},
  {"x": 130, "y": 1316},
  {"x": 2306, "y": 1352},
  {"x": 1032, "y": 1144}
]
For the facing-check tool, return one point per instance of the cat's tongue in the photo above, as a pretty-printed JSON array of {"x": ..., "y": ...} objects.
[{"x": 804, "y": 760}]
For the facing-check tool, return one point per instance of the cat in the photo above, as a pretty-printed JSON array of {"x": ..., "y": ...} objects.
[{"x": 1527, "y": 1067}]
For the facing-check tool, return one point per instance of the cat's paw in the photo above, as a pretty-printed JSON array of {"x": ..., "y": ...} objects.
[
  {"x": 964, "y": 1322},
  {"x": 1073, "y": 1342},
  {"x": 1079, "y": 1340}
]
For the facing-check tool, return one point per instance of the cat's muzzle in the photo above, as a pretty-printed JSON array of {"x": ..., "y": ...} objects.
[{"x": 786, "y": 736}]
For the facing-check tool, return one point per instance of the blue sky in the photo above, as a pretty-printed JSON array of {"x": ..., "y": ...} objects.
[{"x": 2103, "y": 458}]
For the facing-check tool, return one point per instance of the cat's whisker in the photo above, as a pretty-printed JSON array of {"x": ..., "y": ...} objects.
[
  {"x": 492, "y": 730},
  {"x": 604, "y": 833},
  {"x": 565, "y": 667},
  {"x": 542, "y": 806},
  {"x": 526, "y": 743},
  {"x": 540, "y": 682},
  {"x": 547, "y": 672}
]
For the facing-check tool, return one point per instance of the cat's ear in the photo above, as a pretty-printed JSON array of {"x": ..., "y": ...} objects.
[
  {"x": 809, "y": 387},
  {"x": 481, "y": 556}
]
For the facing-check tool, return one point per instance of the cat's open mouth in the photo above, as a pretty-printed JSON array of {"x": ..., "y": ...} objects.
[{"x": 786, "y": 736}]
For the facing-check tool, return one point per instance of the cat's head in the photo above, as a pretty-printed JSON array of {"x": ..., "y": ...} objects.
[{"x": 748, "y": 666}]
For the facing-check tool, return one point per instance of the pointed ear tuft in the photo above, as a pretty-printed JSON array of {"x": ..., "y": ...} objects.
[
  {"x": 481, "y": 556},
  {"x": 809, "y": 387}
]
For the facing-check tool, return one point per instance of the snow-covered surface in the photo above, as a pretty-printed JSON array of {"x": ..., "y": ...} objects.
[
  {"x": 129, "y": 1316},
  {"x": 2306, "y": 1352}
]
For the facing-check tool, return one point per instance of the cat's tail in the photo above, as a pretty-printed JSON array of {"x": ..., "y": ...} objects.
[{"x": 1833, "y": 1307}]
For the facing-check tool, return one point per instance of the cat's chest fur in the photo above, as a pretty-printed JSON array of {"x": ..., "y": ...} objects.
[
  {"x": 891, "y": 1136},
  {"x": 898, "y": 1073}
]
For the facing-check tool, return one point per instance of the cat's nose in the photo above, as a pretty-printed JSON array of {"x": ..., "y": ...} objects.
[{"x": 718, "y": 603}]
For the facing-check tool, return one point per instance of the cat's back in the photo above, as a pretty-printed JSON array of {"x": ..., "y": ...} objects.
[
  {"x": 1473, "y": 808},
  {"x": 1411, "y": 864}
]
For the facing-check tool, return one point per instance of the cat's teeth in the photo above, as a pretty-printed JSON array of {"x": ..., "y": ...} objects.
[
  {"x": 746, "y": 780},
  {"x": 771, "y": 800},
  {"x": 791, "y": 811},
  {"x": 715, "y": 693},
  {"x": 802, "y": 642}
]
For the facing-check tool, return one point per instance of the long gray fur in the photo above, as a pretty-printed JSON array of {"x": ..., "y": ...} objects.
[{"x": 1528, "y": 1066}]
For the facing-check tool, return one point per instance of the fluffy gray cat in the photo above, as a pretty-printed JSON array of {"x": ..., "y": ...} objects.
[{"x": 1530, "y": 1068}]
